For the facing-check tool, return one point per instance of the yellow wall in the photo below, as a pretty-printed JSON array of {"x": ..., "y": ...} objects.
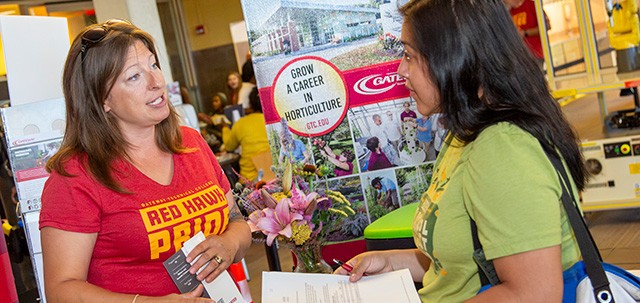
[
  {"x": 75, "y": 20},
  {"x": 11, "y": 9},
  {"x": 215, "y": 15},
  {"x": 3, "y": 67}
]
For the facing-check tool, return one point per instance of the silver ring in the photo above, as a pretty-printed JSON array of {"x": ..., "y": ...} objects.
[{"x": 217, "y": 259}]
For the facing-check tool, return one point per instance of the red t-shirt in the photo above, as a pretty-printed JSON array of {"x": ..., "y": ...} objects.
[
  {"x": 378, "y": 161},
  {"x": 137, "y": 232},
  {"x": 525, "y": 18}
]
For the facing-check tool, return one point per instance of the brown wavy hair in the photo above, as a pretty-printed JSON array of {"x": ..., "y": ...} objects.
[
  {"x": 90, "y": 132},
  {"x": 233, "y": 92}
]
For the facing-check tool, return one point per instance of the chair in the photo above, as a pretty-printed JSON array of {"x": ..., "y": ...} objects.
[{"x": 263, "y": 162}]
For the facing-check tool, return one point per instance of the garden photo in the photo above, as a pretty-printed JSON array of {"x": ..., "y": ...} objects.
[
  {"x": 413, "y": 182},
  {"x": 335, "y": 150},
  {"x": 381, "y": 193},
  {"x": 391, "y": 134},
  {"x": 350, "y": 35},
  {"x": 352, "y": 226}
]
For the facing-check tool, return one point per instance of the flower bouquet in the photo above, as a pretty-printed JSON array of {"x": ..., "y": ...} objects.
[
  {"x": 291, "y": 210},
  {"x": 390, "y": 44}
]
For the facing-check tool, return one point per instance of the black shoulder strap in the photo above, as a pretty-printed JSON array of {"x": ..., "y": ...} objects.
[
  {"x": 477, "y": 246},
  {"x": 590, "y": 254}
]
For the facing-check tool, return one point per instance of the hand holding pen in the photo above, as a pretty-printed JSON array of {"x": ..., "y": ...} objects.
[{"x": 344, "y": 266}]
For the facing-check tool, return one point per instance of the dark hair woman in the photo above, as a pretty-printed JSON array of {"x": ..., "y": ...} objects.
[
  {"x": 465, "y": 59},
  {"x": 377, "y": 158}
]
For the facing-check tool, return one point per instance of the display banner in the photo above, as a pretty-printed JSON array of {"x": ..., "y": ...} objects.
[{"x": 326, "y": 70}]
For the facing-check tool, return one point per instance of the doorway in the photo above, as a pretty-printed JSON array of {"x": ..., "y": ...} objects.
[{"x": 178, "y": 49}]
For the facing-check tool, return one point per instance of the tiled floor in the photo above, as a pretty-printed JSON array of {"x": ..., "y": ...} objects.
[{"x": 616, "y": 232}]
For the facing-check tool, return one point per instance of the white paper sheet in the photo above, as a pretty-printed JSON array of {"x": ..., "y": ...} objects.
[{"x": 394, "y": 287}]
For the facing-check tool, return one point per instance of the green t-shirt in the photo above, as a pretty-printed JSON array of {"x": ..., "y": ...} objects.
[{"x": 506, "y": 183}]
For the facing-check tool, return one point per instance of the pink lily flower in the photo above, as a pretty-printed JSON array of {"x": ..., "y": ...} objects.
[
  {"x": 300, "y": 201},
  {"x": 254, "y": 218},
  {"x": 277, "y": 222},
  {"x": 268, "y": 199}
]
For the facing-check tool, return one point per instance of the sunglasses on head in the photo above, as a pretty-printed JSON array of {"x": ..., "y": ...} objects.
[{"x": 95, "y": 34}]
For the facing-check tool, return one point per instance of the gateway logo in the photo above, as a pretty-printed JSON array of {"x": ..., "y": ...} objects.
[
  {"x": 377, "y": 84},
  {"x": 23, "y": 141}
]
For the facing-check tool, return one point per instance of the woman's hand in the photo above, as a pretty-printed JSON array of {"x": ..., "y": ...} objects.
[
  {"x": 381, "y": 261},
  {"x": 370, "y": 263},
  {"x": 319, "y": 142},
  {"x": 217, "y": 252},
  {"x": 215, "y": 256},
  {"x": 204, "y": 118}
]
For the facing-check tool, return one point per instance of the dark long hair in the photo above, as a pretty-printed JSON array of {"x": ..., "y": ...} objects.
[
  {"x": 90, "y": 131},
  {"x": 254, "y": 100},
  {"x": 485, "y": 74}
]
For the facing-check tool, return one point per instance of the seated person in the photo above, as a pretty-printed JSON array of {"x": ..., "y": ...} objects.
[
  {"x": 250, "y": 133},
  {"x": 239, "y": 91},
  {"x": 216, "y": 120},
  {"x": 377, "y": 159}
]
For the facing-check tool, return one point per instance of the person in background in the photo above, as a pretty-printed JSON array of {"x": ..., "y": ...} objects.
[
  {"x": 248, "y": 74},
  {"x": 184, "y": 94},
  {"x": 407, "y": 115},
  {"x": 523, "y": 14},
  {"x": 423, "y": 126},
  {"x": 387, "y": 192},
  {"x": 343, "y": 162},
  {"x": 493, "y": 168},
  {"x": 378, "y": 159},
  {"x": 121, "y": 196},
  {"x": 438, "y": 131},
  {"x": 294, "y": 148},
  {"x": 250, "y": 133},
  {"x": 380, "y": 130},
  {"x": 393, "y": 130},
  {"x": 239, "y": 91},
  {"x": 216, "y": 120}
]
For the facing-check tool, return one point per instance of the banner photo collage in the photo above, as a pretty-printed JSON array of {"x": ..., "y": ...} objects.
[{"x": 326, "y": 69}]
